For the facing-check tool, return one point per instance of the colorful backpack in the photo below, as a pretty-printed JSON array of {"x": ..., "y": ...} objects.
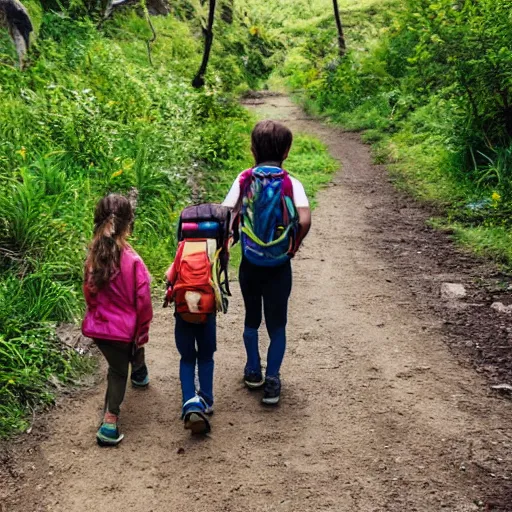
[
  {"x": 198, "y": 280},
  {"x": 268, "y": 217}
]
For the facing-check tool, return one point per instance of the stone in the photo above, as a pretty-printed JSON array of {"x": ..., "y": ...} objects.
[
  {"x": 502, "y": 387},
  {"x": 501, "y": 308},
  {"x": 453, "y": 291}
]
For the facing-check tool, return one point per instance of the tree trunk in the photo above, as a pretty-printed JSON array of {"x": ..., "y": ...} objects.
[
  {"x": 208, "y": 40},
  {"x": 341, "y": 36}
]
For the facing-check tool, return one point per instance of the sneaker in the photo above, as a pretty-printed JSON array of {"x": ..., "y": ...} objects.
[
  {"x": 272, "y": 390},
  {"x": 253, "y": 379},
  {"x": 194, "y": 416},
  {"x": 208, "y": 409},
  {"x": 108, "y": 435},
  {"x": 140, "y": 377}
]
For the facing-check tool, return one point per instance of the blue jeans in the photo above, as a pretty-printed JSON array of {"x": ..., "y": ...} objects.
[
  {"x": 266, "y": 288},
  {"x": 196, "y": 344}
]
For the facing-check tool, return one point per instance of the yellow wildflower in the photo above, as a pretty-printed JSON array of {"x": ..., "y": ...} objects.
[
  {"x": 254, "y": 31},
  {"x": 128, "y": 164},
  {"x": 22, "y": 152},
  {"x": 495, "y": 197},
  {"x": 117, "y": 173},
  {"x": 10, "y": 381}
]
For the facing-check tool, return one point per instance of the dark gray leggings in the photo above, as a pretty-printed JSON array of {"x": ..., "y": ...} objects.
[
  {"x": 270, "y": 286},
  {"x": 119, "y": 355}
]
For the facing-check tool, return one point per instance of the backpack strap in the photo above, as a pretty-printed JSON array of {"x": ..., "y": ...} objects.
[
  {"x": 246, "y": 179},
  {"x": 287, "y": 185}
]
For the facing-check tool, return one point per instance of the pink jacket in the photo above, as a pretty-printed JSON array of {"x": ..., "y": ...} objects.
[{"x": 122, "y": 310}]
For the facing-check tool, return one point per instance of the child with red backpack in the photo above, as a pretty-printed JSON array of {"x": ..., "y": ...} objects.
[
  {"x": 197, "y": 284},
  {"x": 273, "y": 218}
]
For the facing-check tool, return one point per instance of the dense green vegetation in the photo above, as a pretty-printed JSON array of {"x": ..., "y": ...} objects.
[
  {"x": 91, "y": 115},
  {"x": 430, "y": 83}
]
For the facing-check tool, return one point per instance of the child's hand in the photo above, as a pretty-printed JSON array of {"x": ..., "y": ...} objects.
[
  {"x": 142, "y": 340},
  {"x": 168, "y": 296}
]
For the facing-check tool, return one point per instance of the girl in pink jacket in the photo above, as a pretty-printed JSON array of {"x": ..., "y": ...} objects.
[{"x": 119, "y": 310}]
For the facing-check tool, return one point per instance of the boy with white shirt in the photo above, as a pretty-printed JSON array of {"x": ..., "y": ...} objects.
[{"x": 274, "y": 217}]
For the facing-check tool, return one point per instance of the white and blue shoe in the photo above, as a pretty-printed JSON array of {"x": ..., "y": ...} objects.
[
  {"x": 208, "y": 409},
  {"x": 108, "y": 435},
  {"x": 140, "y": 377},
  {"x": 193, "y": 414}
]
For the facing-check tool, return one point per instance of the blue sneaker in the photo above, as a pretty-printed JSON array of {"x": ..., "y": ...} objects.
[
  {"x": 194, "y": 417},
  {"x": 272, "y": 390},
  {"x": 208, "y": 408},
  {"x": 108, "y": 435},
  {"x": 140, "y": 377},
  {"x": 253, "y": 379}
]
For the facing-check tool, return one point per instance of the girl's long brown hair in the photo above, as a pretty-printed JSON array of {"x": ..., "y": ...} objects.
[{"x": 113, "y": 219}]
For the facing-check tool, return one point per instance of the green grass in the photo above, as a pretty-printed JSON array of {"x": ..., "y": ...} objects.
[
  {"x": 34, "y": 366},
  {"x": 493, "y": 243},
  {"x": 310, "y": 162}
]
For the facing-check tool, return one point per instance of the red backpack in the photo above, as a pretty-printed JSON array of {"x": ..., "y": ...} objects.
[
  {"x": 198, "y": 279},
  {"x": 193, "y": 291}
]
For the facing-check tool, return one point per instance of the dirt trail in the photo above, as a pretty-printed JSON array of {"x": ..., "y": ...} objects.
[{"x": 376, "y": 413}]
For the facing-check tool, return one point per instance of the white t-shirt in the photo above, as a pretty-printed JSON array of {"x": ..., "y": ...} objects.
[{"x": 299, "y": 194}]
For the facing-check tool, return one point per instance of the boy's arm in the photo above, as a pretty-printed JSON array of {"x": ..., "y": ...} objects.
[
  {"x": 172, "y": 275},
  {"x": 233, "y": 201},
  {"x": 304, "y": 211},
  {"x": 304, "y": 225}
]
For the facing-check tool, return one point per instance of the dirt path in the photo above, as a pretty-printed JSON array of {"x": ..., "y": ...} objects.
[{"x": 376, "y": 414}]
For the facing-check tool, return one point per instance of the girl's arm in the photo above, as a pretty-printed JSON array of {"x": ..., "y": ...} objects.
[
  {"x": 143, "y": 303},
  {"x": 89, "y": 290}
]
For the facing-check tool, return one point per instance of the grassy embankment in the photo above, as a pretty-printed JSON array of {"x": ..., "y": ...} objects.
[
  {"x": 429, "y": 84},
  {"x": 89, "y": 116}
]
